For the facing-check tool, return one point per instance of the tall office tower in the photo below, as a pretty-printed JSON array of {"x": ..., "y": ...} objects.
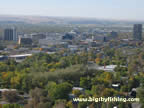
[
  {"x": 15, "y": 38},
  {"x": 10, "y": 34},
  {"x": 137, "y": 32}
]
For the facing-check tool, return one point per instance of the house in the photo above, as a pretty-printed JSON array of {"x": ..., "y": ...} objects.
[
  {"x": 82, "y": 90},
  {"x": 3, "y": 58},
  {"x": 19, "y": 58},
  {"x": 6, "y": 90},
  {"x": 116, "y": 85},
  {"x": 107, "y": 68}
]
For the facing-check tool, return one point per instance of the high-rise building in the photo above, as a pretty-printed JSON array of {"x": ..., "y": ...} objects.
[
  {"x": 10, "y": 34},
  {"x": 137, "y": 32}
]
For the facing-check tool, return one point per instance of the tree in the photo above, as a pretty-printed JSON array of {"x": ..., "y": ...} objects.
[
  {"x": 77, "y": 93},
  {"x": 85, "y": 82},
  {"x": 141, "y": 96},
  {"x": 133, "y": 83},
  {"x": 124, "y": 88},
  {"x": 109, "y": 92},
  {"x": 3, "y": 67},
  {"x": 50, "y": 86},
  {"x": 36, "y": 95},
  {"x": 97, "y": 60},
  {"x": 82, "y": 105},
  {"x": 60, "y": 104},
  {"x": 26, "y": 83},
  {"x": 45, "y": 105},
  {"x": 97, "y": 90},
  {"x": 11, "y": 106},
  {"x": 60, "y": 91}
]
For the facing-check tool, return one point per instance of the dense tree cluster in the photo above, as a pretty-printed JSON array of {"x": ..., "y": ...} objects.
[{"x": 49, "y": 79}]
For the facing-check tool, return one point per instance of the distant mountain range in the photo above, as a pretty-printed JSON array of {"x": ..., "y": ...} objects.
[{"x": 60, "y": 20}]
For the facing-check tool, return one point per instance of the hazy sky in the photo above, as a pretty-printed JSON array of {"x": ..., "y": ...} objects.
[{"x": 108, "y": 9}]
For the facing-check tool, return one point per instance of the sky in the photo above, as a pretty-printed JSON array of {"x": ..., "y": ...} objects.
[{"x": 105, "y": 9}]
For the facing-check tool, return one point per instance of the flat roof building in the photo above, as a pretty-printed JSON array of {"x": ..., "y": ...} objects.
[{"x": 24, "y": 41}]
